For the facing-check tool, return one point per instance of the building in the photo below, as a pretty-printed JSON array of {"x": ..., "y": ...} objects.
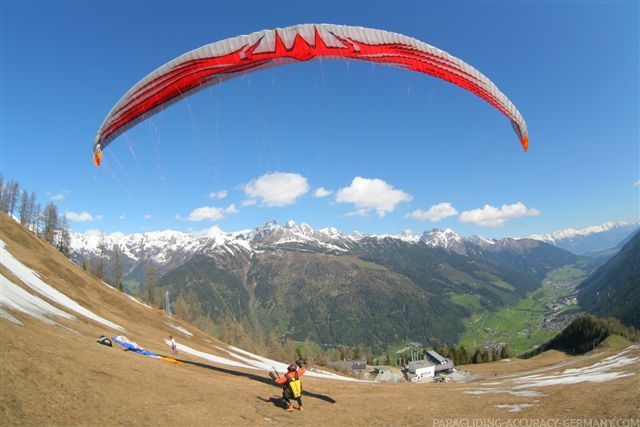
[
  {"x": 350, "y": 365},
  {"x": 420, "y": 369},
  {"x": 441, "y": 363}
]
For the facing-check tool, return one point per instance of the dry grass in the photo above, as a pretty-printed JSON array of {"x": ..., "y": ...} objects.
[{"x": 59, "y": 375}]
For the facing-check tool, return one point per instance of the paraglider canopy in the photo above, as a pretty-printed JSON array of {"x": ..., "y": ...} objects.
[{"x": 216, "y": 62}]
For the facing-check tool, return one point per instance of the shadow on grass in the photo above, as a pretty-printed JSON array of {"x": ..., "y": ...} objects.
[
  {"x": 276, "y": 401},
  {"x": 259, "y": 378}
]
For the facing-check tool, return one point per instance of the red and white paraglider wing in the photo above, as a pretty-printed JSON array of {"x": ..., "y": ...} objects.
[{"x": 214, "y": 63}]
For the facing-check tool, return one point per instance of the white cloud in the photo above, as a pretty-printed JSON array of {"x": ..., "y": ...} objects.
[
  {"x": 277, "y": 188},
  {"x": 123, "y": 216},
  {"x": 218, "y": 194},
  {"x": 148, "y": 216},
  {"x": 211, "y": 213},
  {"x": 372, "y": 194},
  {"x": 435, "y": 212},
  {"x": 636, "y": 184},
  {"x": 322, "y": 192},
  {"x": 358, "y": 212},
  {"x": 59, "y": 196},
  {"x": 81, "y": 217},
  {"x": 490, "y": 216}
]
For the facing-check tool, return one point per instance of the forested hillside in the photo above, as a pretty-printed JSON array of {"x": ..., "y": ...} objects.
[{"x": 613, "y": 290}]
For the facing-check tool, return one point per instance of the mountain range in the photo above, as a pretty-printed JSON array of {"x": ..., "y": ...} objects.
[
  {"x": 591, "y": 239},
  {"x": 291, "y": 281},
  {"x": 166, "y": 248}
]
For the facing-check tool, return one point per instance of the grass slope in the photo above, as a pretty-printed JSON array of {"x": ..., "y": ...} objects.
[{"x": 59, "y": 375}]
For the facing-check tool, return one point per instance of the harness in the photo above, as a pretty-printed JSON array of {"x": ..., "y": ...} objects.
[{"x": 294, "y": 383}]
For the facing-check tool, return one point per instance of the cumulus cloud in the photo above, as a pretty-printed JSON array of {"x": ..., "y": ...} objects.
[
  {"x": 81, "y": 217},
  {"x": 435, "y": 212},
  {"x": 59, "y": 196},
  {"x": 210, "y": 213},
  {"x": 322, "y": 192},
  {"x": 277, "y": 188},
  {"x": 372, "y": 194},
  {"x": 248, "y": 202},
  {"x": 218, "y": 194},
  {"x": 490, "y": 216},
  {"x": 358, "y": 212}
]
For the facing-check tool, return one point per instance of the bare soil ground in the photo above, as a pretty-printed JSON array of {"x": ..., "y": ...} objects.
[{"x": 59, "y": 375}]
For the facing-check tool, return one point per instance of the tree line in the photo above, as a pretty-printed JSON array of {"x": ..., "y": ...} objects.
[
  {"x": 462, "y": 356},
  {"x": 52, "y": 226},
  {"x": 45, "y": 222},
  {"x": 108, "y": 266}
]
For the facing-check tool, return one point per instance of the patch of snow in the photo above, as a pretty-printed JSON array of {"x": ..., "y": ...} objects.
[
  {"x": 179, "y": 328},
  {"x": 596, "y": 373},
  {"x": 523, "y": 393},
  {"x": 515, "y": 407},
  {"x": 132, "y": 298},
  {"x": 216, "y": 359},
  {"x": 574, "y": 379},
  {"x": 251, "y": 362},
  {"x": 260, "y": 362},
  {"x": 106, "y": 284},
  {"x": 31, "y": 279},
  {"x": 9, "y": 317},
  {"x": 15, "y": 298}
]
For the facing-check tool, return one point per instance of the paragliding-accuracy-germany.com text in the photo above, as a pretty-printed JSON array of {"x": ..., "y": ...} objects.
[{"x": 536, "y": 422}]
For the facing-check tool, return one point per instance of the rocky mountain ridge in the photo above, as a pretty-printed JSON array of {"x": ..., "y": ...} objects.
[{"x": 169, "y": 249}]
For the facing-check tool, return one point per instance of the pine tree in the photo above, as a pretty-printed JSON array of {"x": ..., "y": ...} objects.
[
  {"x": 477, "y": 356},
  {"x": 505, "y": 352},
  {"x": 64, "y": 239},
  {"x": 357, "y": 352},
  {"x": 116, "y": 265},
  {"x": 9, "y": 197},
  {"x": 24, "y": 210},
  {"x": 150, "y": 281},
  {"x": 35, "y": 216},
  {"x": 102, "y": 255},
  {"x": 369, "y": 356},
  {"x": 463, "y": 356},
  {"x": 50, "y": 220}
]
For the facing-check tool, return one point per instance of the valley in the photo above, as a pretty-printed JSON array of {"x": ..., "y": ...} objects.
[{"x": 534, "y": 319}]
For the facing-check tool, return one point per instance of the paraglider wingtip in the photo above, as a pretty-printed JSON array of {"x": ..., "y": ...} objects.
[
  {"x": 97, "y": 157},
  {"x": 525, "y": 142}
]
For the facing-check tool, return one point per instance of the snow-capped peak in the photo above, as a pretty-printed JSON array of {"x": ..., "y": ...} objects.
[
  {"x": 408, "y": 236},
  {"x": 571, "y": 232},
  {"x": 446, "y": 238},
  {"x": 332, "y": 232}
]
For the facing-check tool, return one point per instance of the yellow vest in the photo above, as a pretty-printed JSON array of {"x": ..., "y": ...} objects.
[{"x": 295, "y": 385}]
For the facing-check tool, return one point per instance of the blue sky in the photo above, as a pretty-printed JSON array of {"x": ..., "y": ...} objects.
[{"x": 353, "y": 145}]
